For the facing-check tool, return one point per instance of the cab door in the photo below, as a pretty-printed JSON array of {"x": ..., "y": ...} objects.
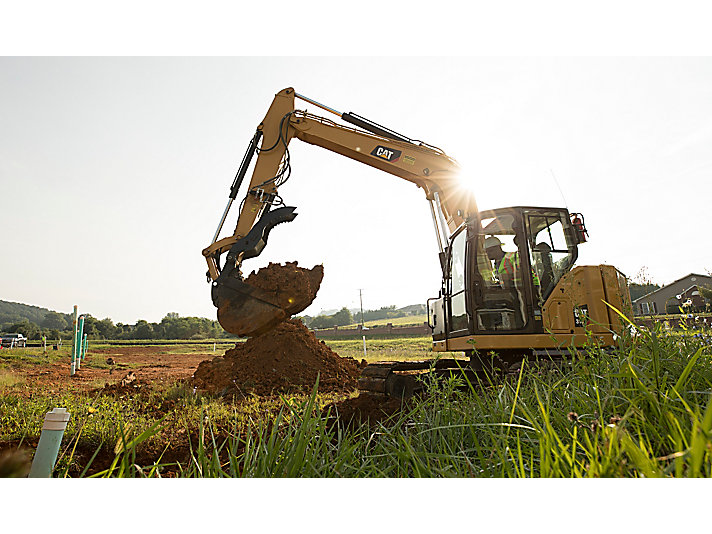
[
  {"x": 456, "y": 294},
  {"x": 500, "y": 274}
]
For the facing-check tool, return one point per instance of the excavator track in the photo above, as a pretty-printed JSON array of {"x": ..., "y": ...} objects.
[{"x": 404, "y": 379}]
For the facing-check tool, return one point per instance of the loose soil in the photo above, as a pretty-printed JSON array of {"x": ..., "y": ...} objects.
[
  {"x": 291, "y": 287},
  {"x": 276, "y": 292},
  {"x": 288, "y": 358}
]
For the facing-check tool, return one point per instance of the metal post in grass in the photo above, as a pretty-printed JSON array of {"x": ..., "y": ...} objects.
[
  {"x": 55, "y": 424},
  {"x": 74, "y": 343},
  {"x": 86, "y": 344},
  {"x": 78, "y": 342},
  {"x": 81, "y": 343},
  {"x": 363, "y": 327}
]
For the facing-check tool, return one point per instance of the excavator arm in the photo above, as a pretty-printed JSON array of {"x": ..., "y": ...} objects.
[{"x": 244, "y": 310}]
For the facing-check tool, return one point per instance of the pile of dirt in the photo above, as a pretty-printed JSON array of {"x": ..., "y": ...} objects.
[
  {"x": 288, "y": 358},
  {"x": 270, "y": 295}
]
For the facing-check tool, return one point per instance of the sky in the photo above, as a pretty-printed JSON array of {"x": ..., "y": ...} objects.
[{"x": 114, "y": 171}]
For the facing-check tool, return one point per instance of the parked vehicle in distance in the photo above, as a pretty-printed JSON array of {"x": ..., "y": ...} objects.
[{"x": 16, "y": 340}]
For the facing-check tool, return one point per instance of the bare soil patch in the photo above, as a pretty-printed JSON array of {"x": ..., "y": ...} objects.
[{"x": 152, "y": 365}]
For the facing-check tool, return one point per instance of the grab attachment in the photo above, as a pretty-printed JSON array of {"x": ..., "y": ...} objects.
[
  {"x": 245, "y": 310},
  {"x": 254, "y": 242}
]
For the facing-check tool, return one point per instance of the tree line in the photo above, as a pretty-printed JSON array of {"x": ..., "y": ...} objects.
[
  {"x": 34, "y": 323},
  {"x": 57, "y": 326},
  {"x": 345, "y": 317}
]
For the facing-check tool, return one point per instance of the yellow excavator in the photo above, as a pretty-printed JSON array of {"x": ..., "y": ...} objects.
[{"x": 509, "y": 285}]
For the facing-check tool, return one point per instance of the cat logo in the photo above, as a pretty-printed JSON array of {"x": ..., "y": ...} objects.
[{"x": 389, "y": 154}]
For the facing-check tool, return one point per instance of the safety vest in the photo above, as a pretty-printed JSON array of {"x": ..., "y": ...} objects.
[{"x": 510, "y": 265}]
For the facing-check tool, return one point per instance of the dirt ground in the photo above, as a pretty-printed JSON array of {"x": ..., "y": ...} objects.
[
  {"x": 155, "y": 367},
  {"x": 111, "y": 370},
  {"x": 150, "y": 364},
  {"x": 131, "y": 368}
]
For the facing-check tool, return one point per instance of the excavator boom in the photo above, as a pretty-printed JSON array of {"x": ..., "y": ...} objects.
[{"x": 244, "y": 309}]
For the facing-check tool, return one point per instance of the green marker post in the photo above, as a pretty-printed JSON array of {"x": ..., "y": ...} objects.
[
  {"x": 74, "y": 344},
  {"x": 79, "y": 342}
]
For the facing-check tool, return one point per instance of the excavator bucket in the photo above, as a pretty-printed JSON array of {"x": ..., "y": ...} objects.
[
  {"x": 242, "y": 312},
  {"x": 271, "y": 295},
  {"x": 268, "y": 297}
]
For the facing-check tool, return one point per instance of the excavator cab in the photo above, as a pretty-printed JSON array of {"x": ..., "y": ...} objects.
[{"x": 500, "y": 269}]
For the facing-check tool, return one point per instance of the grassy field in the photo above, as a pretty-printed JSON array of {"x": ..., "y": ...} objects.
[
  {"x": 643, "y": 410},
  {"x": 406, "y": 348},
  {"x": 397, "y": 321}
]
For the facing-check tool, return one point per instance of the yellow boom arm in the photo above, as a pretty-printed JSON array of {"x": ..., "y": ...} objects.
[{"x": 426, "y": 166}]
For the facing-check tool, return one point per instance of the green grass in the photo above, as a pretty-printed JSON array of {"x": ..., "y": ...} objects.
[
  {"x": 9, "y": 379},
  {"x": 644, "y": 410},
  {"x": 410, "y": 348},
  {"x": 675, "y": 315},
  {"x": 16, "y": 358},
  {"x": 220, "y": 348},
  {"x": 409, "y": 320}
]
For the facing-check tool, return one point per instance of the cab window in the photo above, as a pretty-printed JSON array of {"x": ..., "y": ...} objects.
[
  {"x": 498, "y": 263},
  {"x": 458, "y": 311},
  {"x": 552, "y": 251}
]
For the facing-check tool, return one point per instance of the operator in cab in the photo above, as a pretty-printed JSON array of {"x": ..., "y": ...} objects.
[{"x": 506, "y": 264}]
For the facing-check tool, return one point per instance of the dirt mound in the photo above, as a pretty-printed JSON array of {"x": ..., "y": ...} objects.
[
  {"x": 288, "y": 358},
  {"x": 269, "y": 296}
]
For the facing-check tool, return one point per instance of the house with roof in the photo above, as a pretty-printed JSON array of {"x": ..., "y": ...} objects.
[{"x": 682, "y": 293}]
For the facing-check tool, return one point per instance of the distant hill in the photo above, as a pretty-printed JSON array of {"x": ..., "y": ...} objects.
[
  {"x": 413, "y": 309},
  {"x": 15, "y": 312}
]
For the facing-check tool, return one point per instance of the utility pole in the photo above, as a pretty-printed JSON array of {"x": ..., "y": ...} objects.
[{"x": 360, "y": 298}]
